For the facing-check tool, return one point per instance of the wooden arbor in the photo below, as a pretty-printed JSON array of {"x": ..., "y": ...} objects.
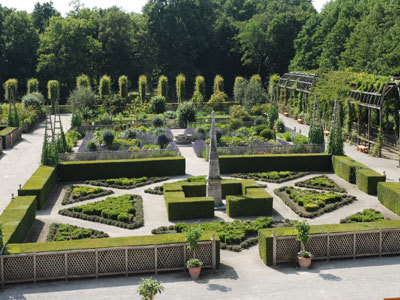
[
  {"x": 372, "y": 99},
  {"x": 296, "y": 82}
]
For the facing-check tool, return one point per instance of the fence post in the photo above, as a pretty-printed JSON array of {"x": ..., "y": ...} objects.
[
  {"x": 380, "y": 242},
  {"x": 34, "y": 267},
  {"x": 155, "y": 259},
  {"x": 214, "y": 252},
  {"x": 2, "y": 270},
  {"x": 97, "y": 263},
  {"x": 274, "y": 248},
  {"x": 184, "y": 257},
  {"x": 327, "y": 247},
  {"x": 66, "y": 265},
  {"x": 354, "y": 245},
  {"x": 126, "y": 262}
]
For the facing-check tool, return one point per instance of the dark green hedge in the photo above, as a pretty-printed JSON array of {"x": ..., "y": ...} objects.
[
  {"x": 275, "y": 162},
  {"x": 389, "y": 195},
  {"x": 17, "y": 219},
  {"x": 84, "y": 170},
  {"x": 240, "y": 206},
  {"x": 40, "y": 184},
  {"x": 367, "y": 180},
  {"x": 265, "y": 238},
  {"x": 346, "y": 167}
]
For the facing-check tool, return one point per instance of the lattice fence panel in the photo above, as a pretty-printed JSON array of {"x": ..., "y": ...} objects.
[
  {"x": 203, "y": 253},
  {"x": 81, "y": 263},
  {"x": 111, "y": 261},
  {"x": 18, "y": 268},
  {"x": 341, "y": 245},
  {"x": 50, "y": 266},
  {"x": 390, "y": 241},
  {"x": 318, "y": 246},
  {"x": 170, "y": 257},
  {"x": 286, "y": 248},
  {"x": 367, "y": 243},
  {"x": 141, "y": 259}
]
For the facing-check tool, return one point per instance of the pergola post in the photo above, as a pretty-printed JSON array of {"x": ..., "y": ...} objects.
[{"x": 369, "y": 129}]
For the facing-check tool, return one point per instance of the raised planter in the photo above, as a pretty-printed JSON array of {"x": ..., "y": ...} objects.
[
  {"x": 10, "y": 136},
  {"x": 300, "y": 121},
  {"x": 286, "y": 114}
]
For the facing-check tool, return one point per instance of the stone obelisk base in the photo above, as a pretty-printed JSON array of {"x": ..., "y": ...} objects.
[{"x": 214, "y": 190}]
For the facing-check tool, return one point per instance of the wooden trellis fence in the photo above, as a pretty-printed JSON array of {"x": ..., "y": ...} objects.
[
  {"x": 64, "y": 265},
  {"x": 339, "y": 245}
]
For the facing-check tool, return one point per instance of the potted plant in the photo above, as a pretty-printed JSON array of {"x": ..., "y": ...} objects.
[
  {"x": 149, "y": 288},
  {"x": 304, "y": 257},
  {"x": 193, "y": 234}
]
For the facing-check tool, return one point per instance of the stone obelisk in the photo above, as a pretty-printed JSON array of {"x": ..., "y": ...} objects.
[{"x": 214, "y": 188}]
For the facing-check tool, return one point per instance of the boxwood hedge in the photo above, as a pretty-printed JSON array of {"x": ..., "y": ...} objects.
[
  {"x": 389, "y": 195},
  {"x": 346, "y": 167},
  {"x": 367, "y": 180}
]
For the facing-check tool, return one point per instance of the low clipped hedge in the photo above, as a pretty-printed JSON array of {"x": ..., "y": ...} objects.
[
  {"x": 367, "y": 180},
  {"x": 346, "y": 167},
  {"x": 17, "y": 219},
  {"x": 40, "y": 184},
  {"x": 389, "y": 195},
  {"x": 275, "y": 162},
  {"x": 265, "y": 236},
  {"x": 85, "y": 170}
]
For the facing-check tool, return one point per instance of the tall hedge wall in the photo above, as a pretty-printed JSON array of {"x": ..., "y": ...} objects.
[
  {"x": 367, "y": 180},
  {"x": 389, "y": 195},
  {"x": 40, "y": 184},
  {"x": 275, "y": 162},
  {"x": 17, "y": 219},
  {"x": 84, "y": 170},
  {"x": 346, "y": 167}
]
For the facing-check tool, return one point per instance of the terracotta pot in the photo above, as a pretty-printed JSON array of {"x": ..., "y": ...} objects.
[
  {"x": 304, "y": 262},
  {"x": 194, "y": 272},
  {"x": 286, "y": 114},
  {"x": 300, "y": 121},
  {"x": 326, "y": 132}
]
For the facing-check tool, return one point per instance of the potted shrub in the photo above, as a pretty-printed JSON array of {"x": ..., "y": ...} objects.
[
  {"x": 193, "y": 234},
  {"x": 304, "y": 257},
  {"x": 149, "y": 288}
]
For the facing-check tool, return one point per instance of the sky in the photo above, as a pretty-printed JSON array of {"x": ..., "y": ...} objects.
[{"x": 127, "y": 5}]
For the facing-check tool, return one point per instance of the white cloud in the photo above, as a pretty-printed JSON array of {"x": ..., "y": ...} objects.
[{"x": 318, "y": 4}]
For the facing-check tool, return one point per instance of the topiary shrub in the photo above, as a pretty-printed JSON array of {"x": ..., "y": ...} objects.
[
  {"x": 91, "y": 145},
  {"x": 129, "y": 134},
  {"x": 170, "y": 114},
  {"x": 108, "y": 138},
  {"x": 11, "y": 89},
  {"x": 217, "y": 100},
  {"x": 82, "y": 81},
  {"x": 142, "y": 86},
  {"x": 280, "y": 126},
  {"x": 259, "y": 121},
  {"x": 123, "y": 86},
  {"x": 259, "y": 128},
  {"x": 257, "y": 78},
  {"x": 186, "y": 113},
  {"x": 238, "y": 89},
  {"x": 158, "y": 122},
  {"x": 162, "y": 141},
  {"x": 32, "y": 86},
  {"x": 104, "y": 86},
  {"x": 180, "y": 87},
  {"x": 200, "y": 86},
  {"x": 198, "y": 98},
  {"x": 267, "y": 134},
  {"x": 218, "y": 84},
  {"x": 53, "y": 92},
  {"x": 158, "y": 104},
  {"x": 162, "y": 88},
  {"x": 35, "y": 100}
]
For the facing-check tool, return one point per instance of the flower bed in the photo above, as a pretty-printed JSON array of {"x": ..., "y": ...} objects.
[
  {"x": 65, "y": 232},
  {"x": 367, "y": 215},
  {"x": 125, "y": 183},
  {"x": 235, "y": 236},
  {"x": 125, "y": 211},
  {"x": 311, "y": 204},
  {"x": 274, "y": 176},
  {"x": 81, "y": 193},
  {"x": 321, "y": 183}
]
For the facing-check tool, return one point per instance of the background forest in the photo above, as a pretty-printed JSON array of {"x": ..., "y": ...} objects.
[{"x": 207, "y": 37}]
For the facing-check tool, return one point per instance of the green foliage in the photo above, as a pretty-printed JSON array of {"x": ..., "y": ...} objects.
[
  {"x": 389, "y": 195},
  {"x": 238, "y": 90},
  {"x": 267, "y": 134},
  {"x": 238, "y": 112},
  {"x": 143, "y": 88},
  {"x": 186, "y": 112},
  {"x": 274, "y": 176},
  {"x": 300, "y": 139},
  {"x": 162, "y": 88},
  {"x": 11, "y": 89},
  {"x": 321, "y": 183},
  {"x": 34, "y": 100},
  {"x": 123, "y": 86},
  {"x": 108, "y": 138},
  {"x": 346, "y": 167},
  {"x": 200, "y": 86},
  {"x": 114, "y": 104},
  {"x": 259, "y": 128},
  {"x": 252, "y": 93},
  {"x": 180, "y": 88},
  {"x": 303, "y": 231},
  {"x": 367, "y": 215},
  {"x": 49, "y": 153},
  {"x": 217, "y": 99},
  {"x": 316, "y": 134},
  {"x": 367, "y": 180},
  {"x": 53, "y": 92},
  {"x": 104, "y": 86},
  {"x": 273, "y": 114},
  {"x": 218, "y": 84},
  {"x": 65, "y": 232},
  {"x": 82, "y": 81},
  {"x": 149, "y": 288},
  {"x": 32, "y": 86},
  {"x": 158, "y": 104},
  {"x": 1, "y": 237},
  {"x": 256, "y": 77},
  {"x": 280, "y": 126},
  {"x": 273, "y": 84},
  {"x": 192, "y": 236}
]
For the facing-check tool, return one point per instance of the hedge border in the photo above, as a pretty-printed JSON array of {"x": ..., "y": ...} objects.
[
  {"x": 53, "y": 231},
  {"x": 337, "y": 188},
  {"x": 346, "y": 167},
  {"x": 68, "y": 200},
  {"x": 150, "y": 180},
  {"x": 389, "y": 195},
  {"x": 367, "y": 180},
  {"x": 281, "y": 180}
]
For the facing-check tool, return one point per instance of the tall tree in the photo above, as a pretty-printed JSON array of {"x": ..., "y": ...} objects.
[{"x": 42, "y": 13}]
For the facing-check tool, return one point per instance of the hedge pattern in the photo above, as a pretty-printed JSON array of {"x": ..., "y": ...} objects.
[
  {"x": 40, "y": 184},
  {"x": 86, "y": 170},
  {"x": 275, "y": 162},
  {"x": 17, "y": 219},
  {"x": 389, "y": 195},
  {"x": 367, "y": 180}
]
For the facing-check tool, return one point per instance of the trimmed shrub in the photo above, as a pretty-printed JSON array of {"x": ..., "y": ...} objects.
[
  {"x": 217, "y": 100},
  {"x": 218, "y": 84},
  {"x": 158, "y": 104},
  {"x": 53, "y": 92},
  {"x": 170, "y": 114},
  {"x": 105, "y": 86},
  {"x": 180, "y": 88},
  {"x": 108, "y": 138},
  {"x": 35, "y": 100},
  {"x": 275, "y": 162},
  {"x": 91, "y": 145},
  {"x": 84, "y": 170},
  {"x": 162, "y": 141},
  {"x": 255, "y": 202},
  {"x": 142, "y": 86},
  {"x": 11, "y": 89},
  {"x": 123, "y": 86},
  {"x": 280, "y": 126},
  {"x": 235, "y": 124},
  {"x": 238, "y": 89},
  {"x": 367, "y": 180},
  {"x": 256, "y": 78},
  {"x": 129, "y": 134},
  {"x": 40, "y": 184},
  {"x": 158, "y": 122},
  {"x": 346, "y": 167},
  {"x": 260, "y": 128},
  {"x": 300, "y": 139},
  {"x": 200, "y": 86},
  {"x": 32, "y": 86},
  {"x": 268, "y": 134},
  {"x": 389, "y": 195},
  {"x": 186, "y": 113},
  {"x": 238, "y": 112},
  {"x": 162, "y": 88},
  {"x": 82, "y": 81}
]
